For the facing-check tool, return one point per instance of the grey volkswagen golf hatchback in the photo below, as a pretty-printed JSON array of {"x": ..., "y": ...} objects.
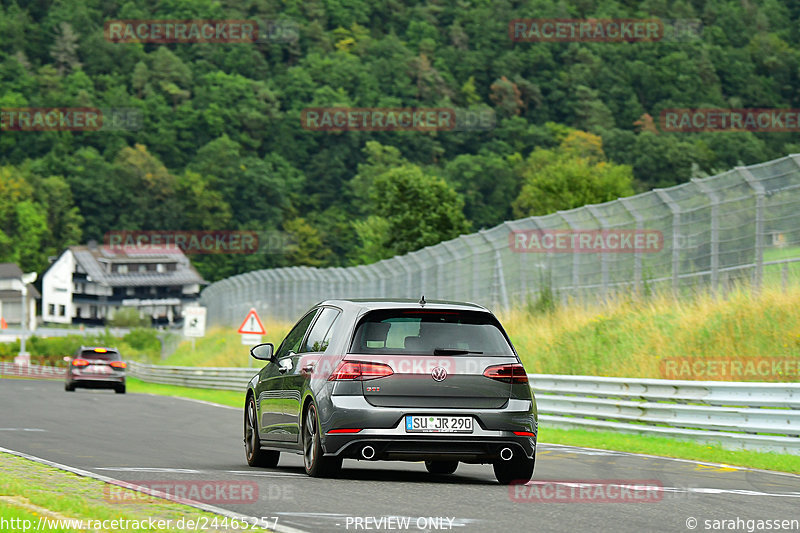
[{"x": 373, "y": 380}]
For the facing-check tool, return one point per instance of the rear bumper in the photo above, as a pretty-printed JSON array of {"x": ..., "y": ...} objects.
[
  {"x": 383, "y": 429},
  {"x": 97, "y": 381},
  {"x": 415, "y": 448}
]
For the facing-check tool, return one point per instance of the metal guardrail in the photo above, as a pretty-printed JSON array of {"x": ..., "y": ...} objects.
[
  {"x": 191, "y": 376},
  {"x": 12, "y": 370},
  {"x": 757, "y": 416}
]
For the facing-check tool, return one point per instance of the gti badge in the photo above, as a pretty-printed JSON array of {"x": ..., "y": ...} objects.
[{"x": 439, "y": 374}]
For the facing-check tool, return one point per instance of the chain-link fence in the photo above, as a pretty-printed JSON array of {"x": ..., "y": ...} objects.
[{"x": 739, "y": 226}]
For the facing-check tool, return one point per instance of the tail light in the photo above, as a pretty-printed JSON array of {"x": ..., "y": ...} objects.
[
  {"x": 511, "y": 373},
  {"x": 118, "y": 364},
  {"x": 344, "y": 430},
  {"x": 524, "y": 434},
  {"x": 80, "y": 362},
  {"x": 360, "y": 371}
]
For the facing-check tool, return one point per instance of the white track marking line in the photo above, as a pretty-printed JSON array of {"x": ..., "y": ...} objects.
[
  {"x": 278, "y": 528},
  {"x": 578, "y": 449},
  {"x": 192, "y": 400},
  {"x": 149, "y": 469}
]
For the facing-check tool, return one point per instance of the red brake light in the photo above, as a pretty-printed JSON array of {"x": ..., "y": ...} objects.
[
  {"x": 344, "y": 431},
  {"x": 118, "y": 364},
  {"x": 510, "y": 373},
  {"x": 524, "y": 433},
  {"x": 100, "y": 350},
  {"x": 80, "y": 362},
  {"x": 360, "y": 371}
]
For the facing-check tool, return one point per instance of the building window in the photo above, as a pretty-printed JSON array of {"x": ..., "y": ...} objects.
[
  {"x": 142, "y": 268},
  {"x": 122, "y": 269},
  {"x": 62, "y": 310},
  {"x": 159, "y": 268},
  {"x": 51, "y": 309}
]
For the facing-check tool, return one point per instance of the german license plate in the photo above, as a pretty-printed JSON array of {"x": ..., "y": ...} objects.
[
  {"x": 98, "y": 369},
  {"x": 438, "y": 424}
]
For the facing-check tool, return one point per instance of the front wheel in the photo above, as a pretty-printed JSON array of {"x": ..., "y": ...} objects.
[
  {"x": 441, "y": 467},
  {"x": 252, "y": 444},
  {"x": 316, "y": 464},
  {"x": 516, "y": 471}
]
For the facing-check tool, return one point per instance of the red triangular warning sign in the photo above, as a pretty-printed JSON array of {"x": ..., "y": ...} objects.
[
  {"x": 3, "y": 323},
  {"x": 252, "y": 324}
]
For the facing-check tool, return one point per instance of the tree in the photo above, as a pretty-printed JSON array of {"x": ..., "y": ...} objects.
[
  {"x": 421, "y": 209},
  {"x": 573, "y": 175}
]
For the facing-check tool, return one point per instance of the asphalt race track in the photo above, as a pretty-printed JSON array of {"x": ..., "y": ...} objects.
[{"x": 135, "y": 437}]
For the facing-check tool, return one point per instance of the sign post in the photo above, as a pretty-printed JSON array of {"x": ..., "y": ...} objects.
[
  {"x": 194, "y": 322},
  {"x": 251, "y": 330}
]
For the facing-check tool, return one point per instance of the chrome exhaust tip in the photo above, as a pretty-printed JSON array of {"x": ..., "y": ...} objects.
[
  {"x": 367, "y": 452},
  {"x": 506, "y": 454}
]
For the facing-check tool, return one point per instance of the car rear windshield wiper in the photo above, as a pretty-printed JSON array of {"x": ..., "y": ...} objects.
[{"x": 453, "y": 351}]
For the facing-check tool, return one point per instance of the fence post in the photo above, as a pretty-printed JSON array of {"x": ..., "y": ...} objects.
[
  {"x": 576, "y": 265},
  {"x": 714, "y": 233},
  {"x": 601, "y": 220},
  {"x": 676, "y": 223},
  {"x": 758, "y": 275},
  {"x": 637, "y": 255}
]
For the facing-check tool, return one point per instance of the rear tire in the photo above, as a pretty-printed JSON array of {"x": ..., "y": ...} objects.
[
  {"x": 120, "y": 389},
  {"x": 441, "y": 467},
  {"x": 69, "y": 388},
  {"x": 316, "y": 464},
  {"x": 252, "y": 444},
  {"x": 517, "y": 471}
]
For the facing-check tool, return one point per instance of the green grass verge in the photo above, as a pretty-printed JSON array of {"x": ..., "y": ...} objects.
[
  {"x": 224, "y": 397},
  {"x": 667, "y": 447},
  {"x": 574, "y": 437},
  {"x": 32, "y": 491}
]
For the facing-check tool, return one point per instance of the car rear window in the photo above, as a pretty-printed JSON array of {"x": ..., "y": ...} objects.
[
  {"x": 109, "y": 355},
  {"x": 429, "y": 332}
]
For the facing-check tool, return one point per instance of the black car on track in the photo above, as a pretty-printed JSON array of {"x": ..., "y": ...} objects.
[{"x": 409, "y": 380}]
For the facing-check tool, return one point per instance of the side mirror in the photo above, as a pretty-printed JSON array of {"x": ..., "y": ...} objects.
[{"x": 262, "y": 352}]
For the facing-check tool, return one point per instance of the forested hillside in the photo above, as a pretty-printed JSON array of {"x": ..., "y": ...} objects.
[{"x": 221, "y": 146}]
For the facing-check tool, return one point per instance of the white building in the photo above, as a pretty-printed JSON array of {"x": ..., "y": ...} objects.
[
  {"x": 87, "y": 284},
  {"x": 11, "y": 296}
]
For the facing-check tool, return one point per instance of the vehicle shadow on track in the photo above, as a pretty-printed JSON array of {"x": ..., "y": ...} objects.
[{"x": 390, "y": 475}]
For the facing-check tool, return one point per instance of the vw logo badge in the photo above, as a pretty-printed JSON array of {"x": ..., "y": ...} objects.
[{"x": 439, "y": 374}]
